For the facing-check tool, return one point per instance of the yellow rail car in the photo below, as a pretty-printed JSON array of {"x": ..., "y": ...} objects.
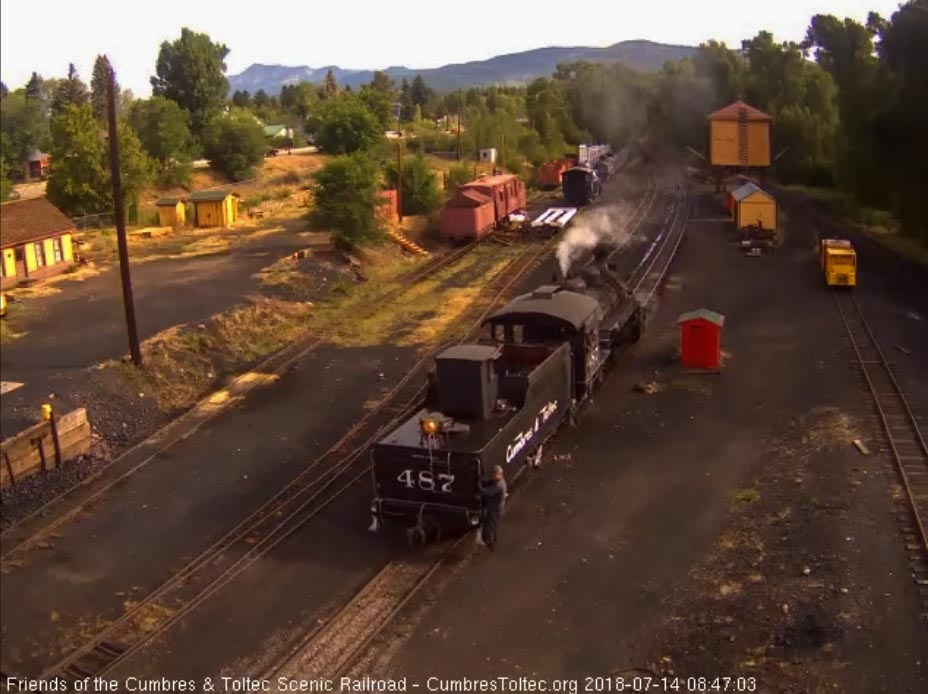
[{"x": 838, "y": 261}]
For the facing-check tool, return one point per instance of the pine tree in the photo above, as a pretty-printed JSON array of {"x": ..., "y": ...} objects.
[
  {"x": 4, "y": 91},
  {"x": 406, "y": 104},
  {"x": 70, "y": 90},
  {"x": 329, "y": 85},
  {"x": 34, "y": 87},
  {"x": 101, "y": 68}
]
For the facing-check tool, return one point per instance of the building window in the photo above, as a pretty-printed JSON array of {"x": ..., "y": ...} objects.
[
  {"x": 39, "y": 254},
  {"x": 56, "y": 248}
]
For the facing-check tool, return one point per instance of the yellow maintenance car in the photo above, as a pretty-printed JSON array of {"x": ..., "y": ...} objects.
[{"x": 839, "y": 262}]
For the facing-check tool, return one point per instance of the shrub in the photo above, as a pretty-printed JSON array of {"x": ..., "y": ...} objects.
[
  {"x": 420, "y": 185},
  {"x": 345, "y": 198},
  {"x": 234, "y": 144},
  {"x": 458, "y": 175}
]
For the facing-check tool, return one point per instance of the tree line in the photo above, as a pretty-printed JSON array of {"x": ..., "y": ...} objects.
[{"x": 849, "y": 105}]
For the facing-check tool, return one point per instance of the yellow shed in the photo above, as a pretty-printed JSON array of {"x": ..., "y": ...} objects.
[
  {"x": 215, "y": 208},
  {"x": 739, "y": 135},
  {"x": 171, "y": 212},
  {"x": 751, "y": 206}
]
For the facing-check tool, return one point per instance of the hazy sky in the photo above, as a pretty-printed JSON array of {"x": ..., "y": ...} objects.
[{"x": 45, "y": 35}]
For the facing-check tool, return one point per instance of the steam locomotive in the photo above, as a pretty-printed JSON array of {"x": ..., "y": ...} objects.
[
  {"x": 496, "y": 402},
  {"x": 583, "y": 183}
]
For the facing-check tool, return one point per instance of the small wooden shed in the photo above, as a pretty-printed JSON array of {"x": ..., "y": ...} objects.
[
  {"x": 171, "y": 212},
  {"x": 215, "y": 208},
  {"x": 753, "y": 206},
  {"x": 701, "y": 339}
]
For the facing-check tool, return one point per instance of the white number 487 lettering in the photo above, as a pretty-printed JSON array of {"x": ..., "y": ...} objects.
[{"x": 427, "y": 481}]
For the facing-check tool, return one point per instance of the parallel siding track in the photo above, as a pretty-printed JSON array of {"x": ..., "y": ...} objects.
[{"x": 902, "y": 431}]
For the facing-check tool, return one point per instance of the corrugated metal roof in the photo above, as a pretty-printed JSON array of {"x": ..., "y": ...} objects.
[
  {"x": 704, "y": 313},
  {"x": 739, "y": 194},
  {"x": 167, "y": 202},
  {"x": 733, "y": 112},
  {"x": 211, "y": 195},
  {"x": 23, "y": 221}
]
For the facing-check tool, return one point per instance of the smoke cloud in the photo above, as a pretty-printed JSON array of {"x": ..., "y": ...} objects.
[{"x": 598, "y": 225}]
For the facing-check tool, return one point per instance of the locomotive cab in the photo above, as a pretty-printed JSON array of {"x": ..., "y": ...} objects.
[
  {"x": 551, "y": 315},
  {"x": 491, "y": 405}
]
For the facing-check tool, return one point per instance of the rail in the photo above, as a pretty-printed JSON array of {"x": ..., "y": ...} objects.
[
  {"x": 903, "y": 434},
  {"x": 427, "y": 270},
  {"x": 331, "y": 649},
  {"x": 323, "y": 481}
]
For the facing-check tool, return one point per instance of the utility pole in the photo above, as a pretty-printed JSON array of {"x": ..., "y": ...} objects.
[
  {"x": 399, "y": 180},
  {"x": 119, "y": 210},
  {"x": 502, "y": 151},
  {"x": 458, "y": 156}
]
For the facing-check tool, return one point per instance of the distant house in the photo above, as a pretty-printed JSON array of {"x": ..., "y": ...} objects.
[
  {"x": 214, "y": 208},
  {"x": 274, "y": 131},
  {"x": 36, "y": 241},
  {"x": 37, "y": 164},
  {"x": 171, "y": 212}
]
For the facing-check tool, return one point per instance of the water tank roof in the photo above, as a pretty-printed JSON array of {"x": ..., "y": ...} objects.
[{"x": 733, "y": 112}]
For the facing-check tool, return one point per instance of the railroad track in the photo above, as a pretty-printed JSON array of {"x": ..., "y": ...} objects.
[
  {"x": 323, "y": 481},
  {"x": 274, "y": 365},
  {"x": 902, "y": 433},
  {"x": 654, "y": 265},
  {"x": 331, "y": 649}
]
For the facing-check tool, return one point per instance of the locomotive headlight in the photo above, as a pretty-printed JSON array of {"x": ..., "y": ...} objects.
[{"x": 429, "y": 425}]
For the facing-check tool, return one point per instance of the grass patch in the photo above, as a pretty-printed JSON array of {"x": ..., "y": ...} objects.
[
  {"x": 183, "y": 362},
  {"x": 903, "y": 245},
  {"x": 827, "y": 427},
  {"x": 750, "y": 495},
  {"x": 434, "y": 304},
  {"x": 879, "y": 225}
]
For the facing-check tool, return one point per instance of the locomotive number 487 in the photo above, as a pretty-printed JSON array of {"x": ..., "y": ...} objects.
[{"x": 427, "y": 481}]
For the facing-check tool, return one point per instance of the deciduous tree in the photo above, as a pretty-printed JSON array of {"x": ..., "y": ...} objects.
[
  {"x": 191, "y": 71},
  {"x": 346, "y": 125},
  {"x": 162, "y": 128}
]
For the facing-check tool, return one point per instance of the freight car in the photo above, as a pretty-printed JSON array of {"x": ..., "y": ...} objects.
[
  {"x": 549, "y": 173},
  {"x": 581, "y": 185},
  {"x": 480, "y": 206},
  {"x": 496, "y": 403}
]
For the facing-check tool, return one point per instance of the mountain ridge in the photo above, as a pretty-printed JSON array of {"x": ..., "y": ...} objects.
[{"x": 510, "y": 68}]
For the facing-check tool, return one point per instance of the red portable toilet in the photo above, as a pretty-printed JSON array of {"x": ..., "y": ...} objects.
[{"x": 701, "y": 339}]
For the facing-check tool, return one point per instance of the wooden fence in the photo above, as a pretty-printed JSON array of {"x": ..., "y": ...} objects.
[{"x": 34, "y": 449}]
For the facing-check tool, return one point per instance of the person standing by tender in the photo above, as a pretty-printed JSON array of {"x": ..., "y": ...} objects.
[{"x": 493, "y": 498}]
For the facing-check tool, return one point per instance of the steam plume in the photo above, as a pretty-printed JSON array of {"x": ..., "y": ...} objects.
[{"x": 600, "y": 225}]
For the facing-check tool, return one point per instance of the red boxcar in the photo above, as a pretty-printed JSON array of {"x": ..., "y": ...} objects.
[
  {"x": 549, "y": 173},
  {"x": 481, "y": 205}
]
